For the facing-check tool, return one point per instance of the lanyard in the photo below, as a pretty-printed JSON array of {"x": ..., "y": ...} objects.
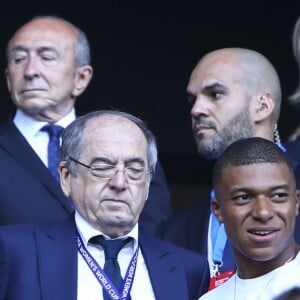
[
  {"x": 219, "y": 239},
  {"x": 103, "y": 279}
]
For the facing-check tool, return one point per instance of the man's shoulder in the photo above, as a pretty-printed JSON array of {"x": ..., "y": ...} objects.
[
  {"x": 192, "y": 214},
  {"x": 7, "y": 126},
  {"x": 162, "y": 248},
  {"x": 9, "y": 133},
  {"x": 24, "y": 229},
  {"x": 293, "y": 149},
  {"x": 188, "y": 227}
]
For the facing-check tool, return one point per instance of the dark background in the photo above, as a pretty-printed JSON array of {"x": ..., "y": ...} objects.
[{"x": 143, "y": 53}]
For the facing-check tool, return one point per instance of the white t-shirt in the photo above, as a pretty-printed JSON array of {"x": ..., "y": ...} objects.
[{"x": 264, "y": 287}]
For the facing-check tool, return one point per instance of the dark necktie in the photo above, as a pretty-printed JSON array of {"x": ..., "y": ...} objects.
[
  {"x": 54, "y": 132},
  {"x": 111, "y": 267}
]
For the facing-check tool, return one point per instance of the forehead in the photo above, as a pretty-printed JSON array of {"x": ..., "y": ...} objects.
[
  {"x": 43, "y": 33},
  {"x": 224, "y": 69},
  {"x": 256, "y": 176},
  {"x": 114, "y": 136}
]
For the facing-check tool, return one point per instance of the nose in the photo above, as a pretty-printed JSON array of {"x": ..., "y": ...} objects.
[
  {"x": 31, "y": 68},
  {"x": 200, "y": 107},
  {"x": 262, "y": 209},
  {"x": 118, "y": 181}
]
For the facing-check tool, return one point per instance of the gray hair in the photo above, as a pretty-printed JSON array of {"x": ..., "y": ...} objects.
[{"x": 72, "y": 137}]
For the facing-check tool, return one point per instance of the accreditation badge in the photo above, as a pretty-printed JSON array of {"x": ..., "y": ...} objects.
[{"x": 219, "y": 279}]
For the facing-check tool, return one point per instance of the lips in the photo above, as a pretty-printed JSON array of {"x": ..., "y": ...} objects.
[
  {"x": 262, "y": 235},
  {"x": 262, "y": 232},
  {"x": 31, "y": 90},
  {"x": 201, "y": 128},
  {"x": 114, "y": 200}
]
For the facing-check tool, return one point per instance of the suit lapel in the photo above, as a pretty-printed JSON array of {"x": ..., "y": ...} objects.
[
  {"x": 13, "y": 142},
  {"x": 57, "y": 261},
  {"x": 164, "y": 271}
]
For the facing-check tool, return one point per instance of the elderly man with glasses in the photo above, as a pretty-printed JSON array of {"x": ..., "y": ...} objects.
[{"x": 108, "y": 158}]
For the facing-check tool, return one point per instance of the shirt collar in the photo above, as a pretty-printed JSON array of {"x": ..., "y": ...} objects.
[
  {"x": 87, "y": 231},
  {"x": 29, "y": 126}
]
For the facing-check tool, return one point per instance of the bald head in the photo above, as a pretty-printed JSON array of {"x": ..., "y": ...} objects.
[
  {"x": 234, "y": 93},
  {"x": 251, "y": 69},
  {"x": 47, "y": 67},
  {"x": 62, "y": 27}
]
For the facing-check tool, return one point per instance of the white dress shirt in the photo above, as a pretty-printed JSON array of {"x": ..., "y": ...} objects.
[
  {"x": 89, "y": 287},
  {"x": 31, "y": 130}
]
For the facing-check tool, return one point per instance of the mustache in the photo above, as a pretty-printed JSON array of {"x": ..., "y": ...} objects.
[{"x": 204, "y": 123}]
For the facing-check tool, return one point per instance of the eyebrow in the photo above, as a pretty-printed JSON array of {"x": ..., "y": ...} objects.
[
  {"x": 111, "y": 162},
  {"x": 212, "y": 87},
  {"x": 251, "y": 190},
  {"x": 208, "y": 89},
  {"x": 16, "y": 48}
]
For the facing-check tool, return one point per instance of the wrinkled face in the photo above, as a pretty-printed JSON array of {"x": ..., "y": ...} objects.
[
  {"x": 111, "y": 205},
  {"x": 258, "y": 204},
  {"x": 40, "y": 72},
  {"x": 220, "y": 105}
]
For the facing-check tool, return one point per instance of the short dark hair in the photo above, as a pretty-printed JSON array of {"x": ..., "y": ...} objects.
[{"x": 254, "y": 150}]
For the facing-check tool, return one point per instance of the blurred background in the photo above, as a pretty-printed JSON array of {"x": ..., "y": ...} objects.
[{"x": 143, "y": 53}]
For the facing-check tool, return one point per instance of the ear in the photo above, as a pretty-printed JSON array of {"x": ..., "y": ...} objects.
[
  {"x": 263, "y": 107},
  {"x": 215, "y": 207},
  {"x": 83, "y": 76},
  {"x": 65, "y": 177},
  {"x": 297, "y": 196}
]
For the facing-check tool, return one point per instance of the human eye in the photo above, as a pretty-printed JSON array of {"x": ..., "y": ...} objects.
[
  {"x": 134, "y": 170},
  {"x": 215, "y": 91},
  {"x": 103, "y": 170},
  {"x": 18, "y": 57},
  {"x": 48, "y": 56},
  {"x": 279, "y": 196},
  {"x": 241, "y": 198},
  {"x": 216, "y": 94}
]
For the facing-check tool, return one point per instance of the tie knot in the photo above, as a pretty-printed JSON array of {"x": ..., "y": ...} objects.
[
  {"x": 53, "y": 130},
  {"x": 111, "y": 247}
]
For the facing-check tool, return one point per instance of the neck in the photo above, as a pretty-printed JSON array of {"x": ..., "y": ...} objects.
[{"x": 248, "y": 268}]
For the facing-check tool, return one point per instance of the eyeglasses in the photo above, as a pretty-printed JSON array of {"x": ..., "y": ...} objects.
[{"x": 134, "y": 172}]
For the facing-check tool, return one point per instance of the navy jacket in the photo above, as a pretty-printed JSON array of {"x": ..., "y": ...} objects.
[
  {"x": 39, "y": 262},
  {"x": 188, "y": 228},
  {"x": 293, "y": 150}
]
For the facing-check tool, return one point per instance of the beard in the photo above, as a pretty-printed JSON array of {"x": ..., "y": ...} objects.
[{"x": 239, "y": 127}]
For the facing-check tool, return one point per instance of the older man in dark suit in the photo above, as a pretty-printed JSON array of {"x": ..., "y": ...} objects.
[
  {"x": 108, "y": 158},
  {"x": 48, "y": 68}
]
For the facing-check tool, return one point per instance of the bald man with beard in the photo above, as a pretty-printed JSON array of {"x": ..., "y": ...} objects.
[{"x": 234, "y": 93}]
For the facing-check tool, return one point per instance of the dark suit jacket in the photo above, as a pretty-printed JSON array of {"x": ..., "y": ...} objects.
[
  {"x": 293, "y": 150},
  {"x": 188, "y": 228},
  {"x": 30, "y": 194},
  {"x": 40, "y": 262}
]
